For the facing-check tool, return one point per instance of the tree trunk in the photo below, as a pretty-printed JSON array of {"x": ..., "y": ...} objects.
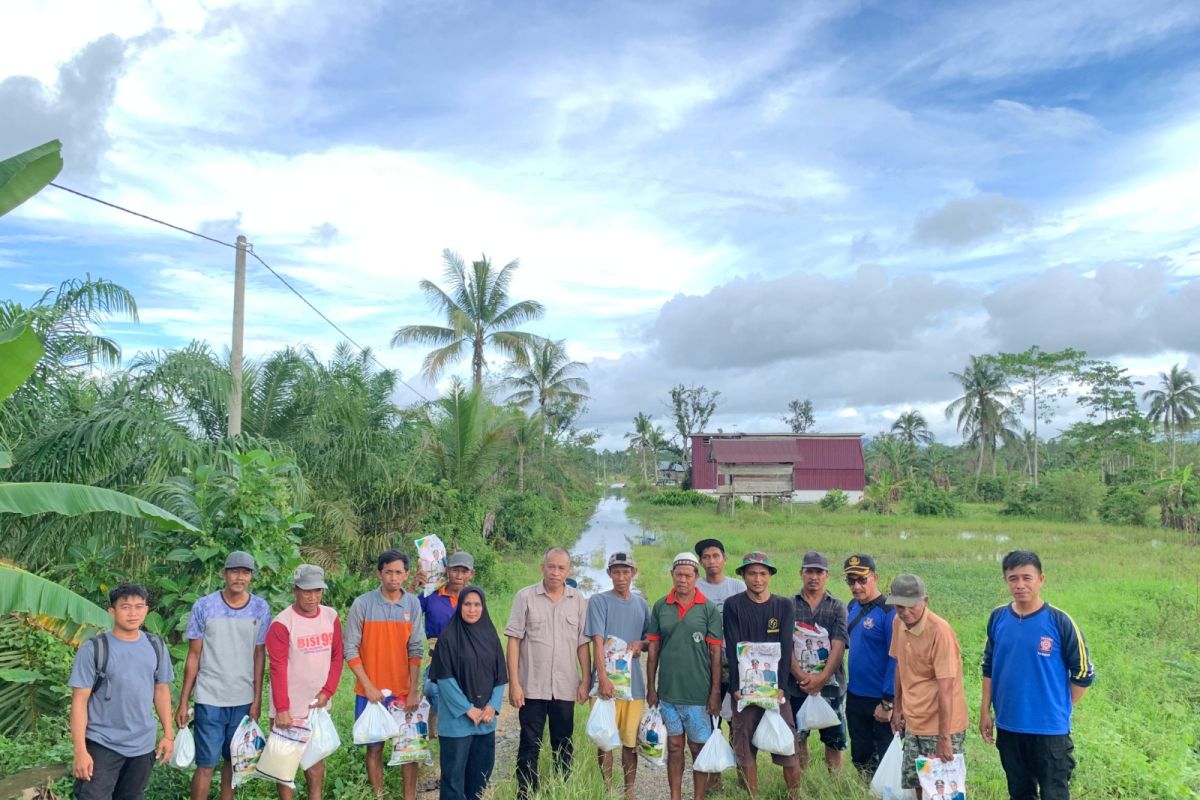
[
  {"x": 1035, "y": 438},
  {"x": 979, "y": 466},
  {"x": 477, "y": 362},
  {"x": 520, "y": 470},
  {"x": 645, "y": 477},
  {"x": 1171, "y": 436}
]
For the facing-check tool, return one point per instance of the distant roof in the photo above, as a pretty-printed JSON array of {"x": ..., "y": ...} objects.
[
  {"x": 824, "y": 452},
  {"x": 747, "y": 435}
]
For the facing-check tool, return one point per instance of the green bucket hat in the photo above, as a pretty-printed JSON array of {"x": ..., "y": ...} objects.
[{"x": 756, "y": 557}]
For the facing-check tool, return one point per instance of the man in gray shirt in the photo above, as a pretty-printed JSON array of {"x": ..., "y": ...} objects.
[
  {"x": 111, "y": 727},
  {"x": 227, "y": 632},
  {"x": 717, "y": 587}
]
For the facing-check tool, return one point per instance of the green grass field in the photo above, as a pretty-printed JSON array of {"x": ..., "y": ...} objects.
[{"x": 1133, "y": 591}]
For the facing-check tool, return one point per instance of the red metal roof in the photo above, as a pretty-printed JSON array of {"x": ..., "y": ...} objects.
[{"x": 804, "y": 453}]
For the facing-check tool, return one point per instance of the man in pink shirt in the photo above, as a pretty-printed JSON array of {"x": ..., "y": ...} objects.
[{"x": 304, "y": 644}]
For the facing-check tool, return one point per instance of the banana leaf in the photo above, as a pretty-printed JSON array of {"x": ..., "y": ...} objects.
[
  {"x": 72, "y": 500},
  {"x": 25, "y": 174},
  {"x": 20, "y": 350},
  {"x": 53, "y": 608}
]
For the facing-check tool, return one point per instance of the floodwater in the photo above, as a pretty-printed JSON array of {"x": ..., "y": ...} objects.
[{"x": 609, "y": 530}]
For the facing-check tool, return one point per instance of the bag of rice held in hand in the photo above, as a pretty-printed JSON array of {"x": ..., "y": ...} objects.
[
  {"x": 652, "y": 737},
  {"x": 412, "y": 745},
  {"x": 942, "y": 778},
  {"x": 281, "y": 757},
  {"x": 758, "y": 674},
  {"x": 245, "y": 749}
]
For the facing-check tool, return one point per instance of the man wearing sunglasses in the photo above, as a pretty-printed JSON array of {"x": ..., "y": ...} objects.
[{"x": 872, "y": 680}]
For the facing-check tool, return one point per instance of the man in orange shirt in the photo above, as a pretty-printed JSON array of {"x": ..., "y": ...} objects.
[
  {"x": 930, "y": 708},
  {"x": 384, "y": 639}
]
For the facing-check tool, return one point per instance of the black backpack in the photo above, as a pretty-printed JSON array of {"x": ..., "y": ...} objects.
[{"x": 100, "y": 658}]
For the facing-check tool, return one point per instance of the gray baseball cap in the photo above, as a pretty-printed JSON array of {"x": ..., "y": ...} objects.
[
  {"x": 907, "y": 590},
  {"x": 309, "y": 576},
  {"x": 461, "y": 559},
  {"x": 239, "y": 559}
]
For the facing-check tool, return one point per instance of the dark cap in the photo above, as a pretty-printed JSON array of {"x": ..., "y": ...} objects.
[
  {"x": 814, "y": 560},
  {"x": 858, "y": 564},
  {"x": 621, "y": 559},
  {"x": 704, "y": 544},
  {"x": 756, "y": 557},
  {"x": 239, "y": 559},
  {"x": 907, "y": 590},
  {"x": 461, "y": 559}
]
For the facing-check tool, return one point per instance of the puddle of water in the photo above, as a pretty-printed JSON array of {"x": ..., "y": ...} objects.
[
  {"x": 966, "y": 535},
  {"x": 609, "y": 530},
  {"x": 903, "y": 535},
  {"x": 1001, "y": 538}
]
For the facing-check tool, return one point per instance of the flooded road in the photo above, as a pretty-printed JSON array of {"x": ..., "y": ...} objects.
[{"x": 609, "y": 530}]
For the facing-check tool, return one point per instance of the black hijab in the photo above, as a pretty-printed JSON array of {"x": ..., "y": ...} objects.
[{"x": 470, "y": 653}]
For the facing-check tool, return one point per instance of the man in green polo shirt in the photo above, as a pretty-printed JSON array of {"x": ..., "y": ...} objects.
[{"x": 685, "y": 641}]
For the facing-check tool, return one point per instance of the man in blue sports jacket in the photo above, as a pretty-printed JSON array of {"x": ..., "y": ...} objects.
[
  {"x": 871, "y": 686},
  {"x": 1035, "y": 668}
]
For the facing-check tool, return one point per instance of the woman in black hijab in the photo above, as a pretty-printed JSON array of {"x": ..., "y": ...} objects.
[{"x": 469, "y": 668}]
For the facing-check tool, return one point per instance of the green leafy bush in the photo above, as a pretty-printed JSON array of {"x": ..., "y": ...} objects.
[
  {"x": 930, "y": 501},
  {"x": 1065, "y": 494},
  {"x": 833, "y": 500},
  {"x": 680, "y": 497},
  {"x": 1124, "y": 505},
  {"x": 991, "y": 489}
]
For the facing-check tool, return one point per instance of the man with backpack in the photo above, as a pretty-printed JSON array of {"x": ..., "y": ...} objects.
[
  {"x": 116, "y": 677},
  {"x": 227, "y": 632}
]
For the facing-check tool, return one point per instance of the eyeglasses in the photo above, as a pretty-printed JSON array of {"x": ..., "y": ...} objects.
[{"x": 852, "y": 581}]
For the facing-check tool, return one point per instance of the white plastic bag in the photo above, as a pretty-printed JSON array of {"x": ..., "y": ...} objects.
[
  {"x": 412, "y": 741},
  {"x": 716, "y": 755},
  {"x": 774, "y": 735},
  {"x": 886, "y": 782},
  {"x": 324, "y": 740},
  {"x": 245, "y": 749},
  {"x": 184, "y": 754},
  {"x": 942, "y": 778},
  {"x": 652, "y": 737},
  {"x": 602, "y": 725},
  {"x": 281, "y": 757},
  {"x": 815, "y": 713},
  {"x": 375, "y": 724}
]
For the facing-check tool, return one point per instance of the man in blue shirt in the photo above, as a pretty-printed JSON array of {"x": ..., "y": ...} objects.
[
  {"x": 437, "y": 608},
  {"x": 1035, "y": 668},
  {"x": 871, "y": 685}
]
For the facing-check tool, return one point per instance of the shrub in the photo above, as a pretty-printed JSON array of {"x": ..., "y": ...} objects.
[
  {"x": 1124, "y": 505},
  {"x": 680, "y": 497},
  {"x": 1072, "y": 496},
  {"x": 991, "y": 489},
  {"x": 526, "y": 521},
  {"x": 833, "y": 500},
  {"x": 930, "y": 501}
]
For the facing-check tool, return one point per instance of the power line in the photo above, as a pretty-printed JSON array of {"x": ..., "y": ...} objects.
[{"x": 259, "y": 259}]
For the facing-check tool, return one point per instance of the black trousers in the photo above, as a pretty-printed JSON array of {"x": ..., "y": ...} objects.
[
  {"x": 1034, "y": 762},
  {"x": 869, "y": 739},
  {"x": 114, "y": 776},
  {"x": 533, "y": 716}
]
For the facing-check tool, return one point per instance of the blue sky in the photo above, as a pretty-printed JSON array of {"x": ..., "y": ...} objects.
[{"x": 839, "y": 201}]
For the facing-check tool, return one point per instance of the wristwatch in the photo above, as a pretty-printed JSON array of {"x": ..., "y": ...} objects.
[{"x": 887, "y": 704}]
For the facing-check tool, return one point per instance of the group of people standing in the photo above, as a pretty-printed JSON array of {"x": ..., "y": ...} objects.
[{"x": 905, "y": 671}]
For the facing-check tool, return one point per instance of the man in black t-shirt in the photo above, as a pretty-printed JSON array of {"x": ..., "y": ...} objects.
[{"x": 757, "y": 616}]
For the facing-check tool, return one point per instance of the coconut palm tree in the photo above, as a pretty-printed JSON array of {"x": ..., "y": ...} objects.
[
  {"x": 641, "y": 438},
  {"x": 982, "y": 413},
  {"x": 544, "y": 377},
  {"x": 466, "y": 436},
  {"x": 477, "y": 314},
  {"x": 912, "y": 428},
  {"x": 1175, "y": 404}
]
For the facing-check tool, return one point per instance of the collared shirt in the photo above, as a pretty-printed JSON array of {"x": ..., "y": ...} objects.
[
  {"x": 926, "y": 653},
  {"x": 814, "y": 633},
  {"x": 685, "y": 633},
  {"x": 550, "y": 634},
  {"x": 439, "y": 608},
  {"x": 872, "y": 670}
]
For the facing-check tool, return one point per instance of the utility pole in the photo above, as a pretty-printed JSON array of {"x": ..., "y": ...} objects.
[{"x": 239, "y": 322}]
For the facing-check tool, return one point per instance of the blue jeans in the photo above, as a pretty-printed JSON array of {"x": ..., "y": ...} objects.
[
  {"x": 680, "y": 719},
  {"x": 466, "y": 763},
  {"x": 213, "y": 730},
  {"x": 431, "y": 692}
]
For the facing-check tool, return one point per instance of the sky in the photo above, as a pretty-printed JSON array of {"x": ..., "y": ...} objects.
[{"x": 839, "y": 201}]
